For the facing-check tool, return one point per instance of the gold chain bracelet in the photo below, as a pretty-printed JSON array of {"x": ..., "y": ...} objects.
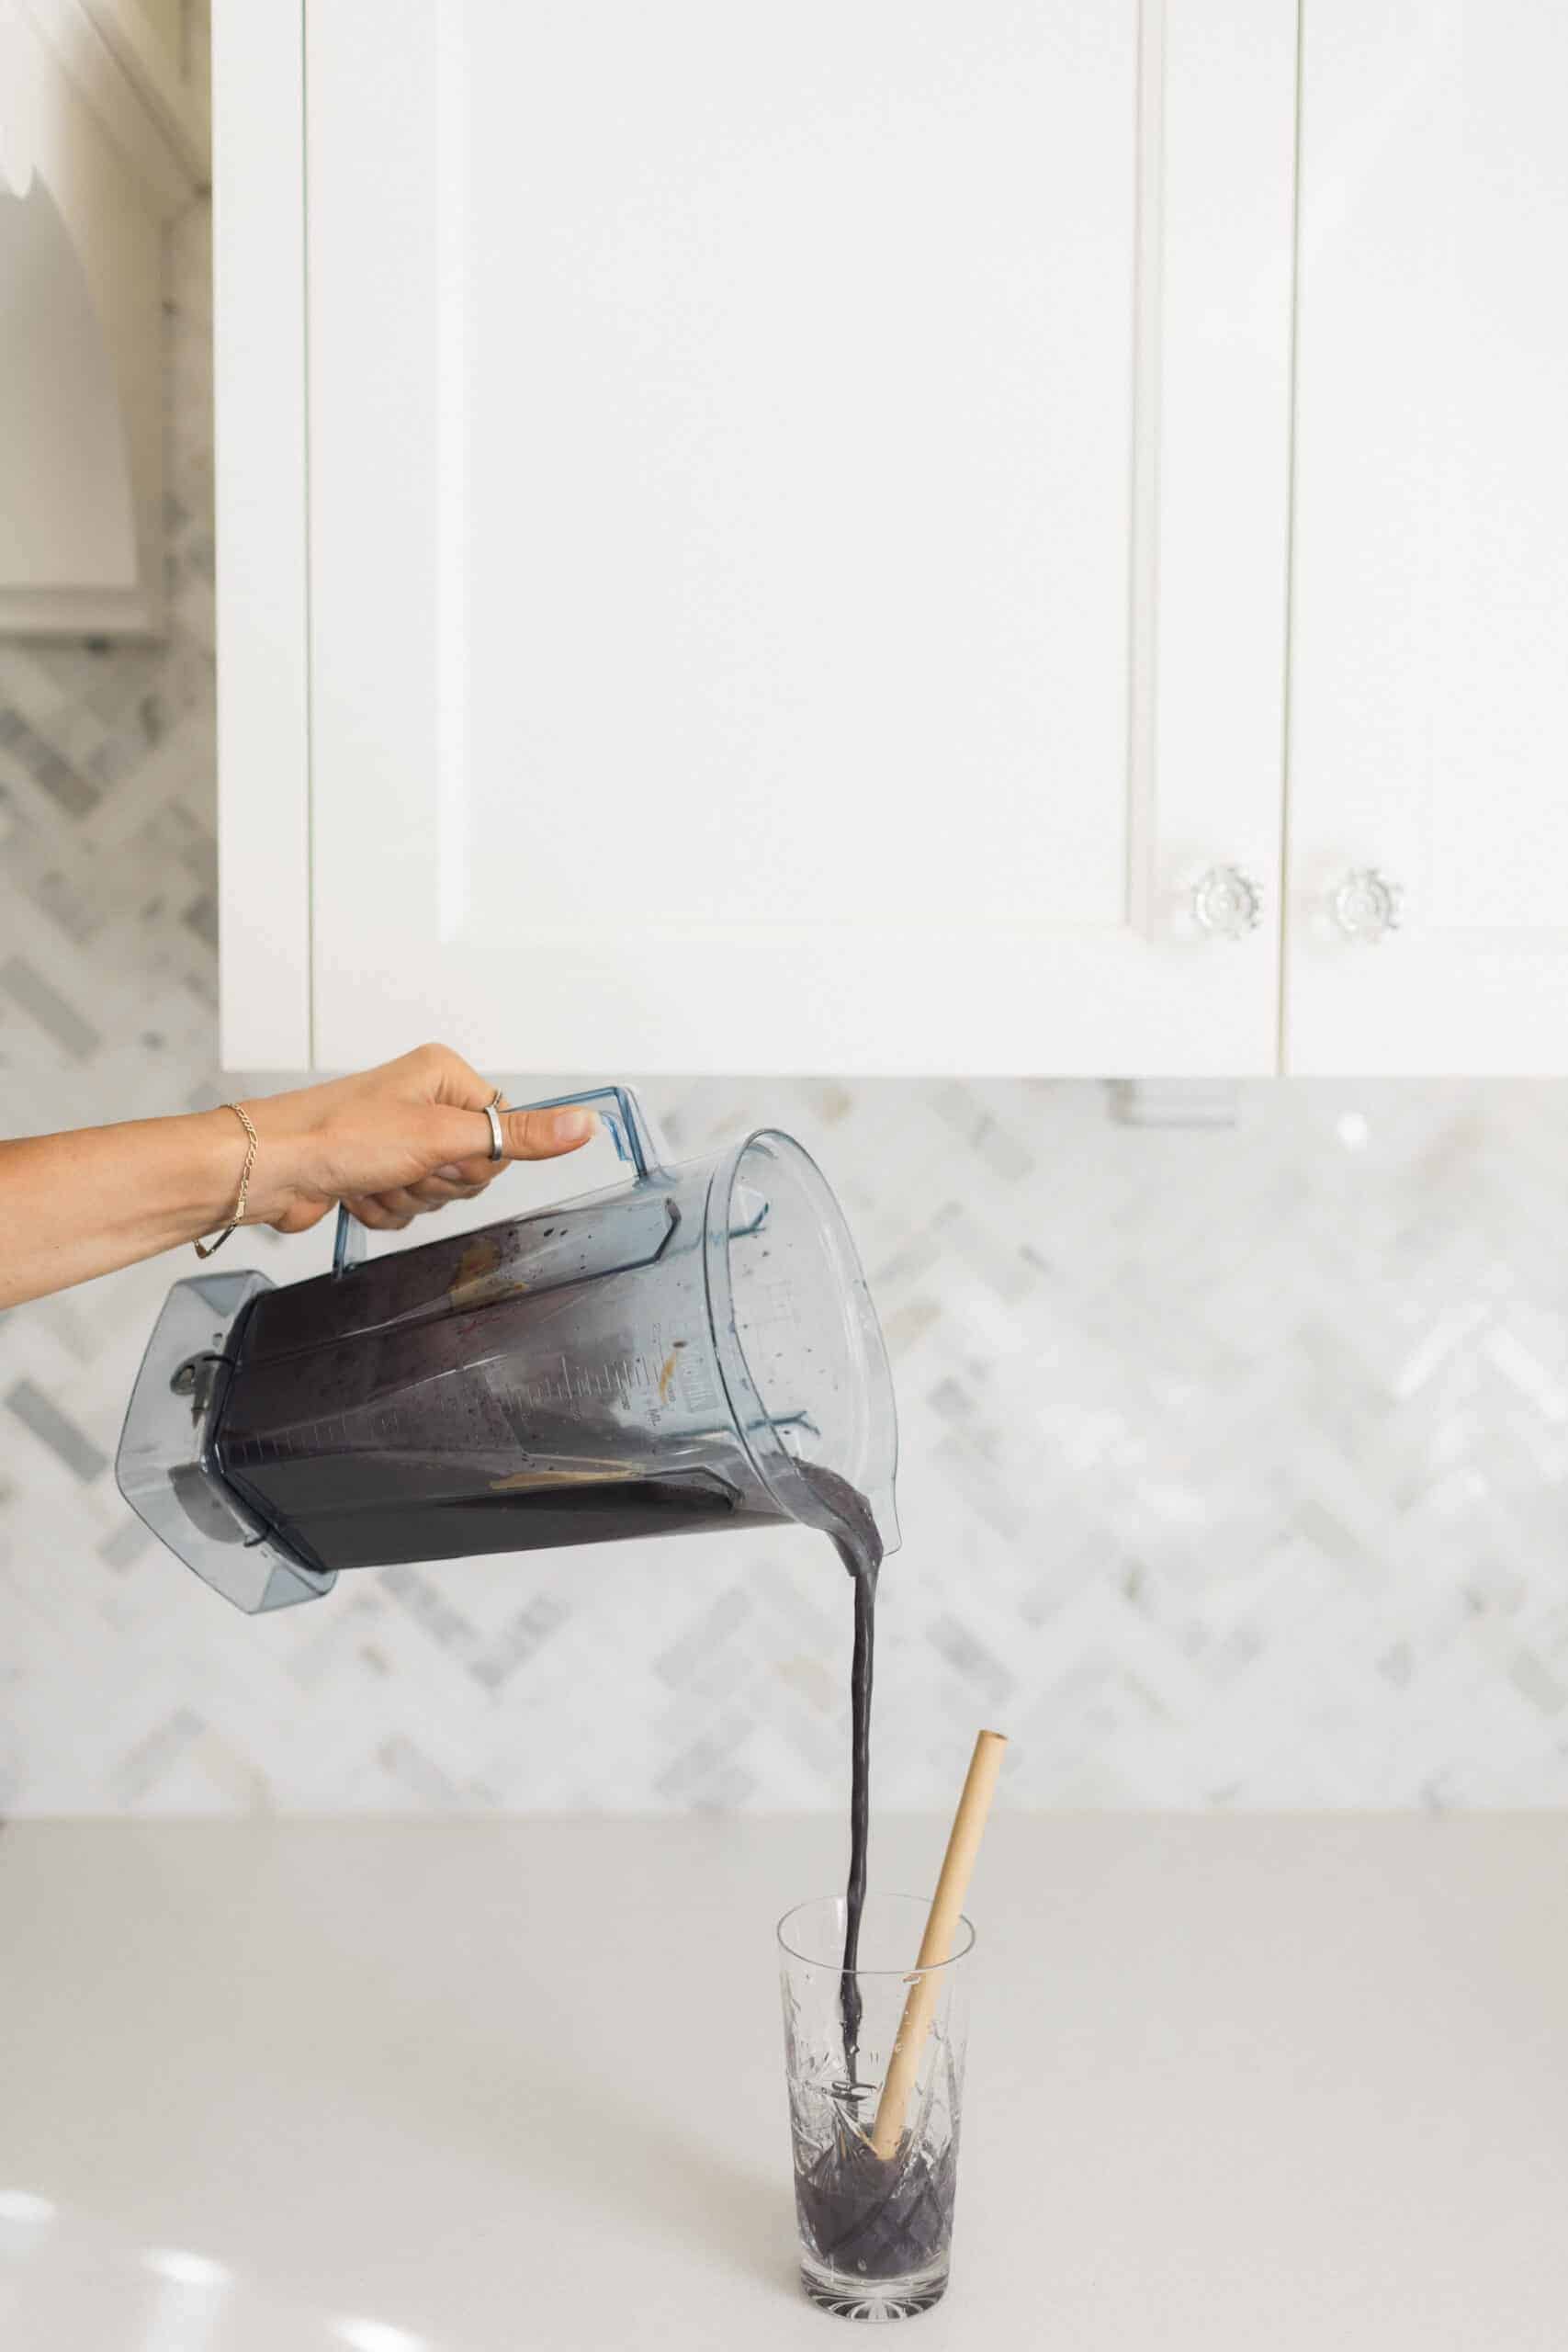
[{"x": 206, "y": 1249}]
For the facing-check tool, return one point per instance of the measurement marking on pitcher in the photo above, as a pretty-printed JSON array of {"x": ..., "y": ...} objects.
[
  {"x": 666, "y": 1376},
  {"x": 615, "y": 1380}
]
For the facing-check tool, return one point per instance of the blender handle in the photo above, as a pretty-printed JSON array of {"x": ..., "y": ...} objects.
[{"x": 627, "y": 1123}]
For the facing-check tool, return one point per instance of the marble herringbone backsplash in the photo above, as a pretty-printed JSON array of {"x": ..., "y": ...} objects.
[{"x": 1235, "y": 1460}]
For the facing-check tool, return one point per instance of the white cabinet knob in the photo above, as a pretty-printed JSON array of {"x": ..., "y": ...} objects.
[
  {"x": 1366, "y": 905},
  {"x": 1227, "y": 903}
]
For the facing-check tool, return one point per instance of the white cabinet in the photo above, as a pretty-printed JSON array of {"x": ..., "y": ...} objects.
[
  {"x": 102, "y": 137},
  {"x": 758, "y": 538},
  {"x": 793, "y": 561},
  {"x": 1429, "y": 645}
]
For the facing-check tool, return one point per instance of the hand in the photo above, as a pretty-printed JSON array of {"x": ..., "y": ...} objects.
[{"x": 391, "y": 1143}]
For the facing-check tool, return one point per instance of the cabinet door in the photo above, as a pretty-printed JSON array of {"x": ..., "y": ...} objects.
[
  {"x": 796, "y": 529},
  {"x": 1430, "y": 655}
]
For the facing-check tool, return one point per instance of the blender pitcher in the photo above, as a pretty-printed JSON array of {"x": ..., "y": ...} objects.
[{"x": 680, "y": 1351}]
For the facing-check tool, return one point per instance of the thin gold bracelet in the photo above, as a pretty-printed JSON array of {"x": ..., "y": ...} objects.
[{"x": 206, "y": 1249}]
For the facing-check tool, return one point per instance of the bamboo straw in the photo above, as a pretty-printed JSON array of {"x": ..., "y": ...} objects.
[{"x": 942, "y": 1924}]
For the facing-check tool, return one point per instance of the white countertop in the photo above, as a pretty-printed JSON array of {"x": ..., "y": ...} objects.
[{"x": 1234, "y": 2083}]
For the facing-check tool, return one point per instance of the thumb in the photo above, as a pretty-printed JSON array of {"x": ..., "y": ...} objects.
[
  {"x": 543, "y": 1135},
  {"x": 462, "y": 1139}
]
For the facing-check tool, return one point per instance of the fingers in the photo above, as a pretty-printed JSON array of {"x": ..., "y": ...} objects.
[
  {"x": 435, "y": 1191},
  {"x": 371, "y": 1210},
  {"x": 402, "y": 1203},
  {"x": 479, "y": 1173},
  {"x": 390, "y": 1211}
]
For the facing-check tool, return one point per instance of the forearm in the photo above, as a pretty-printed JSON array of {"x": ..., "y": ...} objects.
[
  {"x": 76, "y": 1206},
  {"x": 392, "y": 1143}
]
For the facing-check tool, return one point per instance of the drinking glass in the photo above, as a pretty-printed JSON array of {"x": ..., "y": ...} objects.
[{"x": 876, "y": 2233}]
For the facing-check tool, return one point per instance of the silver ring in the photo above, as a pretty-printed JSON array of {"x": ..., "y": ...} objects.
[{"x": 497, "y": 1140}]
